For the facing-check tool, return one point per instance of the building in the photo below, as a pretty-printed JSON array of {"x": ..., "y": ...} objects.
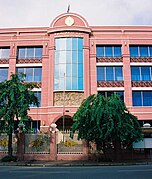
[{"x": 71, "y": 60}]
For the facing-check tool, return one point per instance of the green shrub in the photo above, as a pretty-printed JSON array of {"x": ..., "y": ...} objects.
[{"x": 9, "y": 159}]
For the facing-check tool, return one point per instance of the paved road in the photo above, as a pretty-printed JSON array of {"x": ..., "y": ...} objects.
[{"x": 102, "y": 172}]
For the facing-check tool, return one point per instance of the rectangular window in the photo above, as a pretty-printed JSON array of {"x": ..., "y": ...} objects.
[
  {"x": 32, "y": 126},
  {"x": 143, "y": 51},
  {"x": 145, "y": 73},
  {"x": 109, "y": 73},
  {"x": 117, "y": 51},
  {"x": 150, "y": 51},
  {"x": 110, "y": 76},
  {"x": 135, "y": 73},
  {"x": 142, "y": 98},
  {"x": 38, "y": 95},
  {"x": 3, "y": 74},
  {"x": 32, "y": 74},
  {"x": 140, "y": 51},
  {"x": 141, "y": 73},
  {"x": 29, "y": 52},
  {"x": 134, "y": 51},
  {"x": 109, "y": 93},
  {"x": 118, "y": 74},
  {"x": 100, "y": 74},
  {"x": 4, "y": 53},
  {"x": 108, "y": 51}
]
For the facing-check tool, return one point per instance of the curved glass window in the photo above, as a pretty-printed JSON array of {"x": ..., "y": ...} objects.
[{"x": 68, "y": 69}]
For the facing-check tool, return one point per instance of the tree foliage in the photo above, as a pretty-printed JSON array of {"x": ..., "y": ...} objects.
[
  {"x": 106, "y": 120},
  {"x": 15, "y": 99}
]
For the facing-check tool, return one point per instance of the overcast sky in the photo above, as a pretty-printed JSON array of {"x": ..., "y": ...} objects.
[{"x": 39, "y": 13}]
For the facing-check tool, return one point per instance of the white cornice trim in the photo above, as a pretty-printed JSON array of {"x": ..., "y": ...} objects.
[
  {"x": 29, "y": 65},
  {"x": 110, "y": 89},
  {"x": 109, "y": 64}
]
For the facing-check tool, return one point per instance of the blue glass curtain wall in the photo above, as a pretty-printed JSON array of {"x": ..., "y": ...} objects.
[{"x": 68, "y": 69}]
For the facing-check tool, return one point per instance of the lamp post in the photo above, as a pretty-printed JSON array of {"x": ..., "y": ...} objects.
[
  {"x": 63, "y": 108},
  {"x": 64, "y": 105}
]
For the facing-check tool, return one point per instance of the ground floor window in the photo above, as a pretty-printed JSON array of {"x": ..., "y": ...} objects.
[{"x": 31, "y": 126}]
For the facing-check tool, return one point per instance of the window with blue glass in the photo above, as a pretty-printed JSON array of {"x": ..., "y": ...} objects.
[
  {"x": 32, "y": 74},
  {"x": 108, "y": 51},
  {"x": 109, "y": 73},
  {"x": 68, "y": 69},
  {"x": 142, "y": 73},
  {"x": 142, "y": 98},
  {"x": 29, "y": 52},
  {"x": 4, "y": 53},
  {"x": 109, "y": 93},
  {"x": 3, "y": 74},
  {"x": 38, "y": 95},
  {"x": 140, "y": 50}
]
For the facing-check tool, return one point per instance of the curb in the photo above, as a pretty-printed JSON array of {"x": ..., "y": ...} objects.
[{"x": 71, "y": 164}]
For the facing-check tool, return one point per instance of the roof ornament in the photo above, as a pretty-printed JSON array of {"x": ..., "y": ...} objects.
[{"x": 68, "y": 10}]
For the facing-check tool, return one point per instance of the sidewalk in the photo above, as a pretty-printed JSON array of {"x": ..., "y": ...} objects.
[{"x": 73, "y": 163}]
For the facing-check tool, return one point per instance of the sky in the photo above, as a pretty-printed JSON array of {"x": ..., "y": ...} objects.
[{"x": 40, "y": 13}]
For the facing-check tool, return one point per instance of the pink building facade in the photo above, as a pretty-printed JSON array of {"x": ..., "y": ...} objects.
[{"x": 71, "y": 60}]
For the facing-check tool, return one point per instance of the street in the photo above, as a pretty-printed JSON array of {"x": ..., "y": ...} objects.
[{"x": 84, "y": 172}]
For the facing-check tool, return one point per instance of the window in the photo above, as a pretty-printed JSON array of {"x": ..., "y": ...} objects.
[
  {"x": 140, "y": 51},
  {"x": 108, "y": 51},
  {"x": 29, "y": 52},
  {"x": 3, "y": 74},
  {"x": 38, "y": 95},
  {"x": 109, "y": 93},
  {"x": 4, "y": 53},
  {"x": 30, "y": 126},
  {"x": 32, "y": 74},
  {"x": 68, "y": 70},
  {"x": 141, "y": 73},
  {"x": 142, "y": 98},
  {"x": 109, "y": 73}
]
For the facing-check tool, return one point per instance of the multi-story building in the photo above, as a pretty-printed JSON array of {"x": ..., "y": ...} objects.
[{"x": 71, "y": 60}]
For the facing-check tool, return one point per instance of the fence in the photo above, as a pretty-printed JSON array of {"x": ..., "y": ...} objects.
[
  {"x": 37, "y": 143},
  {"x": 4, "y": 143},
  {"x": 52, "y": 146},
  {"x": 67, "y": 145}
]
